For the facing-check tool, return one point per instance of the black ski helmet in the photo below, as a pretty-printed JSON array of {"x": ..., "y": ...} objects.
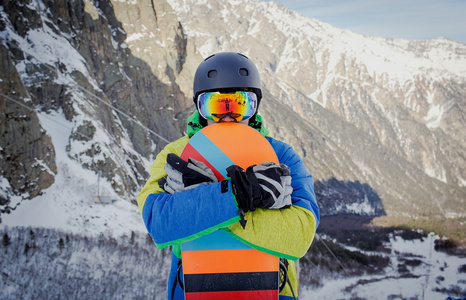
[{"x": 227, "y": 70}]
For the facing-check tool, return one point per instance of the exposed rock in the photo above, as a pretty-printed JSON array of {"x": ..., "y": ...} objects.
[{"x": 27, "y": 155}]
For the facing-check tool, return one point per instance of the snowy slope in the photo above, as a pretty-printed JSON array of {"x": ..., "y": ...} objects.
[{"x": 427, "y": 274}]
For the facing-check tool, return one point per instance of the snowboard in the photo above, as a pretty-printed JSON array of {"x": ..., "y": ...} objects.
[{"x": 217, "y": 265}]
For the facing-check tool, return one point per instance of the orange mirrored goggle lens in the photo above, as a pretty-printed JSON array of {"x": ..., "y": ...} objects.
[{"x": 215, "y": 105}]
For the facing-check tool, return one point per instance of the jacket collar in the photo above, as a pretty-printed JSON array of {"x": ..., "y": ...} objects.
[{"x": 194, "y": 124}]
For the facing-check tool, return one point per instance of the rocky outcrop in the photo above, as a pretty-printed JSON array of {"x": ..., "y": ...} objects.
[
  {"x": 343, "y": 197},
  {"x": 27, "y": 155},
  {"x": 84, "y": 60}
]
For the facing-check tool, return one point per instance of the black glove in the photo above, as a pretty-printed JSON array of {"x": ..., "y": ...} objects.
[
  {"x": 182, "y": 175},
  {"x": 275, "y": 183},
  {"x": 244, "y": 190},
  {"x": 266, "y": 185}
]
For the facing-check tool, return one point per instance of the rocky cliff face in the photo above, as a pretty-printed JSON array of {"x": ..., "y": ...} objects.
[
  {"x": 27, "y": 155},
  {"x": 77, "y": 57}
]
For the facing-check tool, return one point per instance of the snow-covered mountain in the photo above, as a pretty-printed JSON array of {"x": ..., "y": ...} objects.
[
  {"x": 382, "y": 112},
  {"x": 392, "y": 108},
  {"x": 90, "y": 92}
]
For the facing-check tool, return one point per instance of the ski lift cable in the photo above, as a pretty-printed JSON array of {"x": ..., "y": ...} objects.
[
  {"x": 45, "y": 116},
  {"x": 124, "y": 114},
  {"x": 65, "y": 126},
  {"x": 99, "y": 99},
  {"x": 331, "y": 252}
]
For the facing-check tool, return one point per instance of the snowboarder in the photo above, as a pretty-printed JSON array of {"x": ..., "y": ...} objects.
[{"x": 181, "y": 201}]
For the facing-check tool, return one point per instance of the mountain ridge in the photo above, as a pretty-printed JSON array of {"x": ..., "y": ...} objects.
[{"x": 94, "y": 60}]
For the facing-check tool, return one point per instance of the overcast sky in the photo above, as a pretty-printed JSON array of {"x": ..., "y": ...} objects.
[{"x": 410, "y": 19}]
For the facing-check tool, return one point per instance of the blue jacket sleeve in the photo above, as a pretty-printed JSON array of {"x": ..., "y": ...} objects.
[{"x": 177, "y": 218}]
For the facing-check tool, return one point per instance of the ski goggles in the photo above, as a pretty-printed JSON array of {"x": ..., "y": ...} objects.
[{"x": 214, "y": 106}]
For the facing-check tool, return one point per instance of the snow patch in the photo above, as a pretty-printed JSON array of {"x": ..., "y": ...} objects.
[
  {"x": 363, "y": 208},
  {"x": 434, "y": 116}
]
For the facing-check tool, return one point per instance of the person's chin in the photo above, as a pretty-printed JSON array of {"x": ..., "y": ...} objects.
[{"x": 228, "y": 121}]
